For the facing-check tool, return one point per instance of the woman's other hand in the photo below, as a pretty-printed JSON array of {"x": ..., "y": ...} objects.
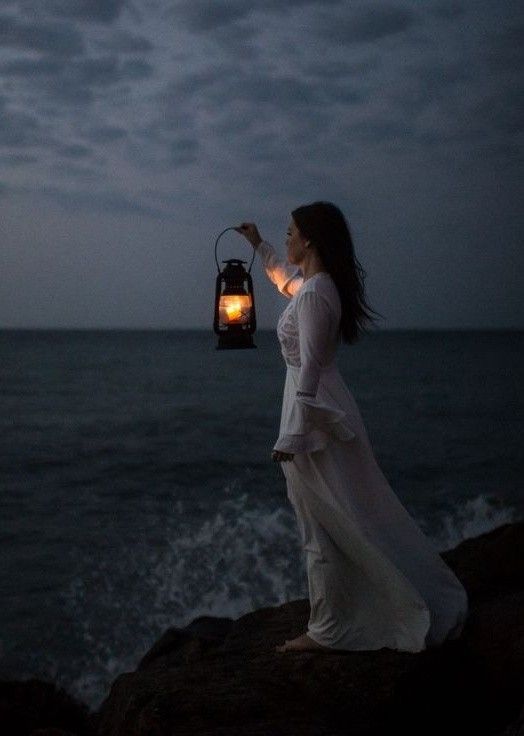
[
  {"x": 250, "y": 231},
  {"x": 278, "y": 456}
]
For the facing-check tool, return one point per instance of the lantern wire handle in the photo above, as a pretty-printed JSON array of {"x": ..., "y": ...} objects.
[{"x": 216, "y": 243}]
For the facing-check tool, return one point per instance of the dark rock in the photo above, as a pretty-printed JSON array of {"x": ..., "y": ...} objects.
[
  {"x": 490, "y": 563},
  {"x": 30, "y": 706},
  {"x": 52, "y": 732},
  {"x": 208, "y": 629},
  {"x": 516, "y": 727},
  {"x": 222, "y": 676}
]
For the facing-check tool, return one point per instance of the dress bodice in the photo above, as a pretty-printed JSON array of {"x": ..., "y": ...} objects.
[
  {"x": 287, "y": 332},
  {"x": 291, "y": 330},
  {"x": 308, "y": 331},
  {"x": 308, "y": 328}
]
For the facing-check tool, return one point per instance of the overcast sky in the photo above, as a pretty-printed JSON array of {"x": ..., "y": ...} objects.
[{"x": 132, "y": 132}]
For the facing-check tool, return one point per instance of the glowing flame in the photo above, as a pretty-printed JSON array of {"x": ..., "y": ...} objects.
[{"x": 235, "y": 308}]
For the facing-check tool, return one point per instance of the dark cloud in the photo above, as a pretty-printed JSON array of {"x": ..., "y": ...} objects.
[
  {"x": 240, "y": 47},
  {"x": 447, "y": 9},
  {"x": 102, "y": 11},
  {"x": 110, "y": 201},
  {"x": 31, "y": 68},
  {"x": 75, "y": 81},
  {"x": 17, "y": 159},
  {"x": 65, "y": 91},
  {"x": 87, "y": 200},
  {"x": 233, "y": 122},
  {"x": 322, "y": 78},
  {"x": 378, "y": 131},
  {"x": 182, "y": 151},
  {"x": 70, "y": 170},
  {"x": 235, "y": 103},
  {"x": 334, "y": 70},
  {"x": 208, "y": 16},
  {"x": 172, "y": 120},
  {"x": 74, "y": 150},
  {"x": 204, "y": 16},
  {"x": 225, "y": 84},
  {"x": 504, "y": 51},
  {"x": 18, "y": 128},
  {"x": 363, "y": 24},
  {"x": 436, "y": 138},
  {"x": 501, "y": 112},
  {"x": 126, "y": 43},
  {"x": 132, "y": 69},
  {"x": 61, "y": 39},
  {"x": 198, "y": 83},
  {"x": 104, "y": 134},
  {"x": 429, "y": 84},
  {"x": 274, "y": 91},
  {"x": 163, "y": 146},
  {"x": 102, "y": 71},
  {"x": 265, "y": 148},
  {"x": 439, "y": 75},
  {"x": 344, "y": 92},
  {"x": 206, "y": 109}
]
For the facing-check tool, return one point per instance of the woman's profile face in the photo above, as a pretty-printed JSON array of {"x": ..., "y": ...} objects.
[{"x": 295, "y": 244}]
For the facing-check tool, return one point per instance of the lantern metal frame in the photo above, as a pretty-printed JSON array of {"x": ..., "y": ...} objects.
[{"x": 235, "y": 336}]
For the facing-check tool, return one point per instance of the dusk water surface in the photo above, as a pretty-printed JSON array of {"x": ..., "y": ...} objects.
[{"x": 138, "y": 491}]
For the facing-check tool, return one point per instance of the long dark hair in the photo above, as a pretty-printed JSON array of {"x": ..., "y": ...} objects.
[{"x": 325, "y": 226}]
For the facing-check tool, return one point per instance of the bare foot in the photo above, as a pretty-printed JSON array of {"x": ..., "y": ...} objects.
[{"x": 301, "y": 643}]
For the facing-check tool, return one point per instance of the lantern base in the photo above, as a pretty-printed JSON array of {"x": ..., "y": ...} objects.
[{"x": 235, "y": 342}]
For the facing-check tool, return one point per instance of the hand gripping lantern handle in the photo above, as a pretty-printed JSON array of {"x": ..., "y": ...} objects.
[{"x": 216, "y": 243}]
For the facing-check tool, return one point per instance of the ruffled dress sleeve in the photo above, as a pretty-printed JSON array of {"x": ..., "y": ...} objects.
[
  {"x": 286, "y": 277},
  {"x": 314, "y": 419}
]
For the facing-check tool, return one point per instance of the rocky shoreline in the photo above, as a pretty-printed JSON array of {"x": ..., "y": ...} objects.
[{"x": 222, "y": 676}]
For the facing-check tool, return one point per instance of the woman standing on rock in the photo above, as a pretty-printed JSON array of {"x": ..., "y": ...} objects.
[{"x": 375, "y": 580}]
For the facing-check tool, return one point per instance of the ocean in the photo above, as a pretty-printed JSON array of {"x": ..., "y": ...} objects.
[{"x": 137, "y": 489}]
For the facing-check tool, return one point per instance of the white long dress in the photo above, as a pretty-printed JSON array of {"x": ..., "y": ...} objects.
[{"x": 375, "y": 579}]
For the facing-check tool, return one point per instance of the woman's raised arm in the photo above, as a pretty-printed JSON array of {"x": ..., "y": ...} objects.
[{"x": 286, "y": 277}]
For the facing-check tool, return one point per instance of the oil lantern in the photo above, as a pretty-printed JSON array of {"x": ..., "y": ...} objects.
[{"x": 235, "y": 319}]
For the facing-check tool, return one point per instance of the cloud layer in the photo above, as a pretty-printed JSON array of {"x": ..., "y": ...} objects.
[
  {"x": 147, "y": 105},
  {"x": 157, "y": 86}
]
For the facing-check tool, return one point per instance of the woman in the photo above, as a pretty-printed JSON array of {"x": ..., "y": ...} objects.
[{"x": 375, "y": 580}]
